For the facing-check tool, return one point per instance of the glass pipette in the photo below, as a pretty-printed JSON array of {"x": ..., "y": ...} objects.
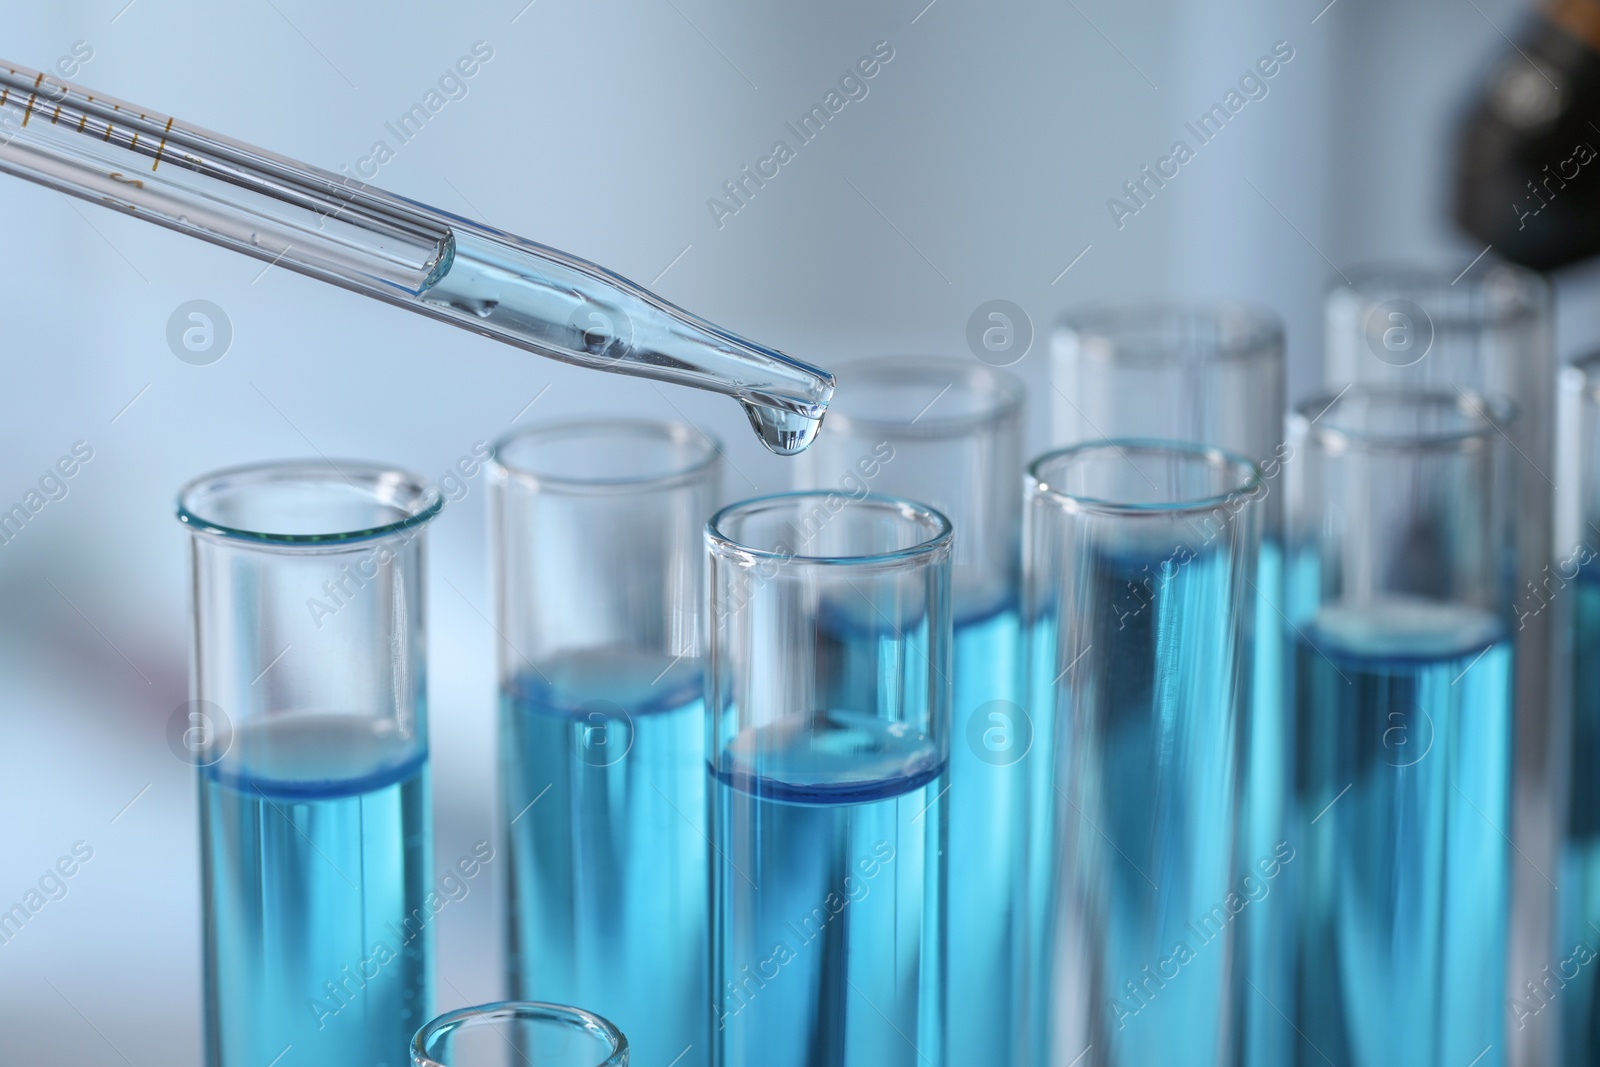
[{"x": 335, "y": 228}]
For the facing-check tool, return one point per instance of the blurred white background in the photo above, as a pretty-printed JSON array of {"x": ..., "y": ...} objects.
[{"x": 977, "y": 167}]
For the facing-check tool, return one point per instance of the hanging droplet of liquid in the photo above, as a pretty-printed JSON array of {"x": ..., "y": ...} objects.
[{"x": 788, "y": 433}]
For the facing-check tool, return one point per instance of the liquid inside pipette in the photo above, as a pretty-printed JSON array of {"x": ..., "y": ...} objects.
[{"x": 516, "y": 296}]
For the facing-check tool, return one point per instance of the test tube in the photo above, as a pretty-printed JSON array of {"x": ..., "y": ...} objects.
[
  {"x": 599, "y": 578},
  {"x": 1485, "y": 330},
  {"x": 949, "y": 432},
  {"x": 1398, "y": 598},
  {"x": 829, "y": 708},
  {"x": 519, "y": 1034},
  {"x": 1210, "y": 374},
  {"x": 1137, "y": 611},
  {"x": 309, "y": 727},
  {"x": 1570, "y": 588}
]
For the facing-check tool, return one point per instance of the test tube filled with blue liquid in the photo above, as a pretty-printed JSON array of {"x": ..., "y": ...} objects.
[
  {"x": 1137, "y": 611},
  {"x": 949, "y": 432},
  {"x": 828, "y": 713},
  {"x": 599, "y": 572},
  {"x": 1399, "y": 569},
  {"x": 1565, "y": 988},
  {"x": 309, "y": 729},
  {"x": 1488, "y": 330},
  {"x": 1210, "y": 375}
]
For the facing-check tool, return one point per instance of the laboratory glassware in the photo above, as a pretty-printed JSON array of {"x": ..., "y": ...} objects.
[
  {"x": 519, "y": 1034},
  {"x": 1137, "y": 615},
  {"x": 949, "y": 432},
  {"x": 1400, "y": 519},
  {"x": 599, "y": 579},
  {"x": 1521, "y": 180},
  {"x": 1211, "y": 374},
  {"x": 1485, "y": 330},
  {"x": 1570, "y": 588},
  {"x": 337, "y": 229},
  {"x": 829, "y": 709},
  {"x": 308, "y": 724}
]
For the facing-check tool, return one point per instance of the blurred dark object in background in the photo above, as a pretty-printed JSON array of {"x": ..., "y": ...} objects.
[{"x": 1527, "y": 175}]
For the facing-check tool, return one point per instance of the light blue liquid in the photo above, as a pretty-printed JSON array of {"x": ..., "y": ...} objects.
[
  {"x": 1574, "y": 992},
  {"x": 990, "y": 742},
  {"x": 603, "y": 780},
  {"x": 1263, "y": 983},
  {"x": 1404, "y": 767},
  {"x": 541, "y": 300},
  {"x": 827, "y": 905},
  {"x": 315, "y": 857},
  {"x": 1039, "y": 866},
  {"x": 1144, "y": 925}
]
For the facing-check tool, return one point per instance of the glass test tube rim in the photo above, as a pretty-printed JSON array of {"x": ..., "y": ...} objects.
[
  {"x": 724, "y": 546},
  {"x": 1262, "y": 338},
  {"x": 1248, "y": 483},
  {"x": 707, "y": 453},
  {"x": 1522, "y": 294},
  {"x": 1488, "y": 415},
  {"x": 416, "y": 500},
  {"x": 532, "y": 1010},
  {"x": 1007, "y": 395}
]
